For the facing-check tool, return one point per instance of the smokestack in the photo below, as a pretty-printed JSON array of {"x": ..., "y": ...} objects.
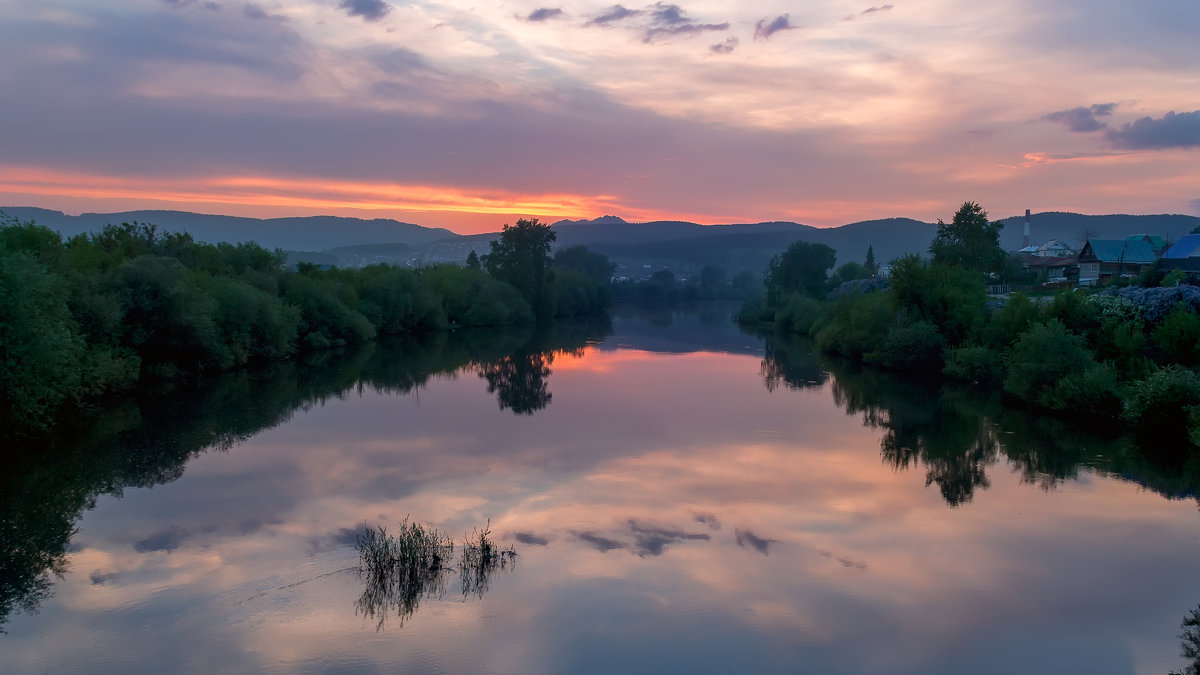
[{"x": 1025, "y": 241}]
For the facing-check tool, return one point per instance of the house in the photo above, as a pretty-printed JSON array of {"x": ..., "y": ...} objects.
[
  {"x": 1053, "y": 270},
  {"x": 1183, "y": 255},
  {"x": 1054, "y": 249},
  {"x": 1156, "y": 242},
  {"x": 1103, "y": 260}
]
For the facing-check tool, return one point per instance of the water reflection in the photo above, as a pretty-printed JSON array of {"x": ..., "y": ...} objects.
[
  {"x": 671, "y": 513},
  {"x": 399, "y": 572},
  {"x": 46, "y": 484},
  {"x": 520, "y": 381},
  {"x": 958, "y": 434},
  {"x": 1190, "y": 642}
]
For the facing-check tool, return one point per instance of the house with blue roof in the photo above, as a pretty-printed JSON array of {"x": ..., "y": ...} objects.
[
  {"x": 1102, "y": 260},
  {"x": 1183, "y": 255}
]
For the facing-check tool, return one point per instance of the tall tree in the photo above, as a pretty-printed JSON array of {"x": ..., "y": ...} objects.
[
  {"x": 969, "y": 241},
  {"x": 870, "y": 264},
  {"x": 522, "y": 258},
  {"x": 473, "y": 261},
  {"x": 803, "y": 268}
]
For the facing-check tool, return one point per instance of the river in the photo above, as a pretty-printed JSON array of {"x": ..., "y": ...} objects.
[{"x": 680, "y": 496}]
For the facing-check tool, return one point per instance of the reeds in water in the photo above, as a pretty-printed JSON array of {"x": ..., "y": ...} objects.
[
  {"x": 480, "y": 559},
  {"x": 402, "y": 569}
]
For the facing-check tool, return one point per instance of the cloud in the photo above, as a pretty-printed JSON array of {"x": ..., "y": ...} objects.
[
  {"x": 672, "y": 20},
  {"x": 725, "y": 47},
  {"x": 1082, "y": 119},
  {"x": 342, "y": 538},
  {"x": 256, "y": 12},
  {"x": 842, "y": 560},
  {"x": 99, "y": 579},
  {"x": 652, "y": 541},
  {"x": 661, "y": 19},
  {"x": 747, "y": 538},
  {"x": 1174, "y": 130},
  {"x": 180, "y": 4},
  {"x": 369, "y": 10},
  {"x": 602, "y": 544},
  {"x": 766, "y": 28},
  {"x": 612, "y": 15},
  {"x": 873, "y": 10},
  {"x": 709, "y": 519},
  {"x": 530, "y": 538},
  {"x": 544, "y": 14},
  {"x": 168, "y": 540}
]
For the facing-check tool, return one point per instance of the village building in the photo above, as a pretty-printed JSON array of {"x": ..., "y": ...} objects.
[
  {"x": 1103, "y": 260},
  {"x": 1183, "y": 255}
]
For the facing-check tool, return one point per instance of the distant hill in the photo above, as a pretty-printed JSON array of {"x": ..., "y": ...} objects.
[
  {"x": 1072, "y": 228},
  {"x": 315, "y": 233},
  {"x": 639, "y": 248}
]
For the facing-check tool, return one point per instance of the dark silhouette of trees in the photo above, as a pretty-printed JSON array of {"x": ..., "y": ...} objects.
[
  {"x": 969, "y": 241},
  {"x": 803, "y": 268},
  {"x": 521, "y": 257},
  {"x": 594, "y": 266},
  {"x": 520, "y": 381}
]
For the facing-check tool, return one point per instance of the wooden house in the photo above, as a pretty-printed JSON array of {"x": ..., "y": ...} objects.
[{"x": 1103, "y": 260}]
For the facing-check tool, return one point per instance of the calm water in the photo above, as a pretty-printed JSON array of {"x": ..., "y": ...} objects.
[{"x": 681, "y": 496}]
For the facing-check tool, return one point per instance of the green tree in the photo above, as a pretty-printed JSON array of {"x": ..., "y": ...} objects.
[
  {"x": 595, "y": 266},
  {"x": 473, "y": 261},
  {"x": 803, "y": 268},
  {"x": 40, "y": 348},
  {"x": 521, "y": 257},
  {"x": 969, "y": 241},
  {"x": 870, "y": 263},
  {"x": 851, "y": 271}
]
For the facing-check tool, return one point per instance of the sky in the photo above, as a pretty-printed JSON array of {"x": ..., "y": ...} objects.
[{"x": 471, "y": 115}]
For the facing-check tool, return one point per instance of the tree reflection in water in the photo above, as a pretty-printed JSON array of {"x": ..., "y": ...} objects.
[
  {"x": 1190, "y": 643},
  {"x": 148, "y": 437},
  {"x": 519, "y": 381},
  {"x": 956, "y": 433}
]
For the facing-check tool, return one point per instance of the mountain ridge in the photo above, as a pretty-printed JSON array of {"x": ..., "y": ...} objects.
[{"x": 682, "y": 246}]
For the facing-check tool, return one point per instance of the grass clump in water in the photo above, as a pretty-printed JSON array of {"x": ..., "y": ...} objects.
[
  {"x": 481, "y": 558},
  {"x": 402, "y": 569}
]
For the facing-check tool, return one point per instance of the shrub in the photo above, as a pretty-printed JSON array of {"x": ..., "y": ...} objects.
[
  {"x": 910, "y": 346},
  {"x": 1095, "y": 390},
  {"x": 1179, "y": 335},
  {"x": 856, "y": 325},
  {"x": 1164, "y": 400},
  {"x": 1041, "y": 357},
  {"x": 798, "y": 314},
  {"x": 1011, "y": 320},
  {"x": 975, "y": 364}
]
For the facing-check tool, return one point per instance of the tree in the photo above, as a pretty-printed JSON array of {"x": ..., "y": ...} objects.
[
  {"x": 969, "y": 241},
  {"x": 803, "y": 268},
  {"x": 595, "y": 266},
  {"x": 522, "y": 258},
  {"x": 870, "y": 264},
  {"x": 851, "y": 271},
  {"x": 473, "y": 261}
]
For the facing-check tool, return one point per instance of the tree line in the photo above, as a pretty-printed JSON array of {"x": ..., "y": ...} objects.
[
  {"x": 104, "y": 312},
  {"x": 1126, "y": 353}
]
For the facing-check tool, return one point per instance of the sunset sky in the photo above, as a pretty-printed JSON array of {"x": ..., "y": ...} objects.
[{"x": 467, "y": 116}]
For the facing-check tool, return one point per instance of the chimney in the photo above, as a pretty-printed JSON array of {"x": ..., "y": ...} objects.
[{"x": 1025, "y": 241}]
